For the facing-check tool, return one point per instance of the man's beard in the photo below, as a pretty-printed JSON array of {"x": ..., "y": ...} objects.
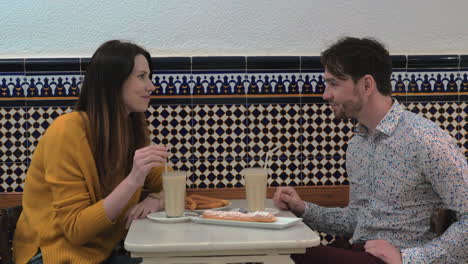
[{"x": 349, "y": 110}]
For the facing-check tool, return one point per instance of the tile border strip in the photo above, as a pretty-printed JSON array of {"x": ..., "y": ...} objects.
[
  {"x": 261, "y": 79},
  {"x": 240, "y": 64}
]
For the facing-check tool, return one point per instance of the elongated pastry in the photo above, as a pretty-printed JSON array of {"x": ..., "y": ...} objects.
[
  {"x": 238, "y": 216},
  {"x": 206, "y": 199},
  {"x": 190, "y": 204},
  {"x": 200, "y": 202},
  {"x": 209, "y": 205}
]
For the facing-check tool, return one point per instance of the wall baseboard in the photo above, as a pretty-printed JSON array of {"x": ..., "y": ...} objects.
[{"x": 330, "y": 196}]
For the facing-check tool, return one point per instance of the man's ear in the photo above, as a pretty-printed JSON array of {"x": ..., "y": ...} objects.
[{"x": 369, "y": 84}]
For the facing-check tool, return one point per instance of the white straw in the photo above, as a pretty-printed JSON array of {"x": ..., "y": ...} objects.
[
  {"x": 268, "y": 155},
  {"x": 165, "y": 166},
  {"x": 266, "y": 160}
]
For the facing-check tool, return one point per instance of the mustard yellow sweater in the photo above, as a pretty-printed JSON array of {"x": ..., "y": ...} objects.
[{"x": 63, "y": 211}]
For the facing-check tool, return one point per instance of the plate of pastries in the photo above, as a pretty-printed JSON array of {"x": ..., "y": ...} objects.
[{"x": 199, "y": 203}]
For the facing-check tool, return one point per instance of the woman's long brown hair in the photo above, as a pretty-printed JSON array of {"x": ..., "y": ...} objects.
[{"x": 114, "y": 135}]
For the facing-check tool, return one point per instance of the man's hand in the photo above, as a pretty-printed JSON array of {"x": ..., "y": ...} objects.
[
  {"x": 286, "y": 198},
  {"x": 384, "y": 251},
  {"x": 142, "y": 209}
]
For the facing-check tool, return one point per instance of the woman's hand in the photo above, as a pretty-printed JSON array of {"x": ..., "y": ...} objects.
[
  {"x": 141, "y": 210},
  {"x": 145, "y": 159}
]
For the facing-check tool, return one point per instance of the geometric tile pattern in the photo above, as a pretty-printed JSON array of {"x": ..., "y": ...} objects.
[
  {"x": 326, "y": 239},
  {"x": 463, "y": 127},
  {"x": 13, "y": 86},
  {"x": 68, "y": 85},
  {"x": 171, "y": 125},
  {"x": 321, "y": 171},
  {"x": 218, "y": 173},
  {"x": 13, "y": 134},
  {"x": 420, "y": 82},
  {"x": 53, "y": 85},
  {"x": 215, "y": 142},
  {"x": 444, "y": 115},
  {"x": 324, "y": 136},
  {"x": 219, "y": 131},
  {"x": 271, "y": 126},
  {"x": 12, "y": 176}
]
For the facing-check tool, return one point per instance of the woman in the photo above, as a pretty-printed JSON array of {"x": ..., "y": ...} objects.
[{"x": 86, "y": 174}]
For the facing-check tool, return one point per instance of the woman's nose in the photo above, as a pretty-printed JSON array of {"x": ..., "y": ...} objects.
[{"x": 150, "y": 86}]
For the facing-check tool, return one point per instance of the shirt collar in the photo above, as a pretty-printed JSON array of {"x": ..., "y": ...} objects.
[{"x": 388, "y": 124}]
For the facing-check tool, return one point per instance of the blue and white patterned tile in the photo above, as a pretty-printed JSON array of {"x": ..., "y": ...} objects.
[
  {"x": 172, "y": 126},
  {"x": 463, "y": 127},
  {"x": 319, "y": 135},
  {"x": 14, "y": 134},
  {"x": 218, "y": 84},
  {"x": 426, "y": 82},
  {"x": 55, "y": 85},
  {"x": 324, "y": 135},
  {"x": 271, "y": 126},
  {"x": 266, "y": 84},
  {"x": 444, "y": 114},
  {"x": 12, "y": 86},
  {"x": 464, "y": 81},
  {"x": 285, "y": 171},
  {"x": 325, "y": 171},
  {"x": 63, "y": 85},
  {"x": 218, "y": 173},
  {"x": 219, "y": 131},
  {"x": 12, "y": 176},
  {"x": 311, "y": 84},
  {"x": 326, "y": 239},
  {"x": 172, "y": 84},
  {"x": 273, "y": 84},
  {"x": 399, "y": 82}
]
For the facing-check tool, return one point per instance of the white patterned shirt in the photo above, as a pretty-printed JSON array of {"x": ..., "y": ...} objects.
[{"x": 398, "y": 176}]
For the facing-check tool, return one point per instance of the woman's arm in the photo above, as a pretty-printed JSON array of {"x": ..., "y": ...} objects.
[
  {"x": 71, "y": 174},
  {"x": 144, "y": 161}
]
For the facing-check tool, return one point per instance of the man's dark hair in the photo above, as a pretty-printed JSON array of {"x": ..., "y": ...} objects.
[{"x": 357, "y": 57}]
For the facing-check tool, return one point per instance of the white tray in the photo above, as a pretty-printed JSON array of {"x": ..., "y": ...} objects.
[{"x": 281, "y": 222}]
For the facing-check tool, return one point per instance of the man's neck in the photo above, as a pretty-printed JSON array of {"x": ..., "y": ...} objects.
[{"x": 374, "y": 111}]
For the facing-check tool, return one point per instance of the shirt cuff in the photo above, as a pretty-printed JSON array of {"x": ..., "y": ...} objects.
[
  {"x": 413, "y": 256},
  {"x": 308, "y": 208}
]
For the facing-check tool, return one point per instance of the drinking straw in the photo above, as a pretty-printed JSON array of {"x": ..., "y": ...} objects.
[
  {"x": 165, "y": 165},
  {"x": 268, "y": 156}
]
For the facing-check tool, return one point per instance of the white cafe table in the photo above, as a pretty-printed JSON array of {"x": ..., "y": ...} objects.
[{"x": 191, "y": 242}]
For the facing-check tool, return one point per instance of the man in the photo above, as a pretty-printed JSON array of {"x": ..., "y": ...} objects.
[{"x": 401, "y": 167}]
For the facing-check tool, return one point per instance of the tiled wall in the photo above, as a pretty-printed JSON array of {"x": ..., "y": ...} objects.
[{"x": 221, "y": 114}]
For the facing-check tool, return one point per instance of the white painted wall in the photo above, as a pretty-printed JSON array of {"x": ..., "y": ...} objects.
[{"x": 75, "y": 28}]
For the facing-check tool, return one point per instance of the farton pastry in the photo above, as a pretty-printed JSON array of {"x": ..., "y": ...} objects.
[{"x": 238, "y": 216}]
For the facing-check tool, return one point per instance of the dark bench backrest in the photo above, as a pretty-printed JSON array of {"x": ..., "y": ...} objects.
[
  {"x": 441, "y": 219},
  {"x": 8, "y": 218}
]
